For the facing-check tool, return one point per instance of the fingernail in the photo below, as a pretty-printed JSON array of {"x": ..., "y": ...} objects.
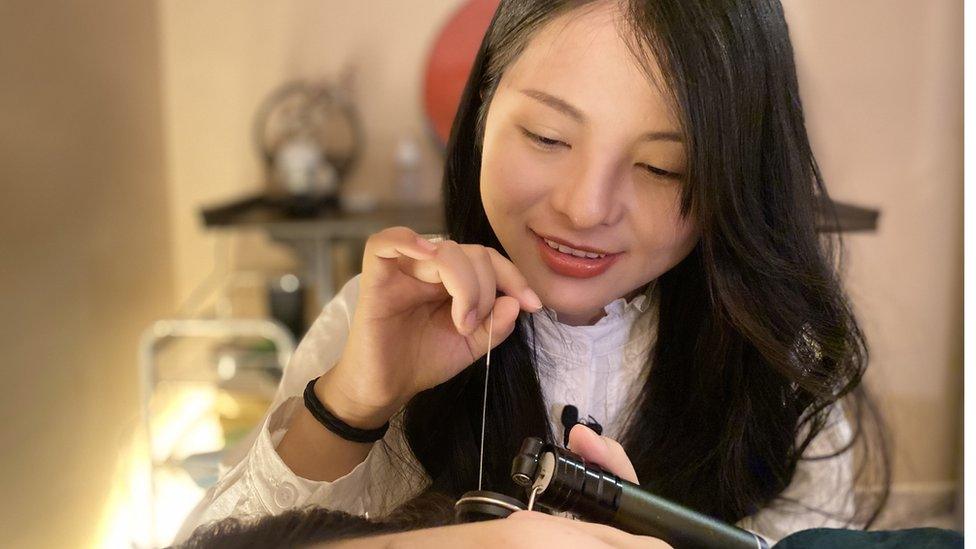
[
  {"x": 426, "y": 244},
  {"x": 470, "y": 321},
  {"x": 533, "y": 299}
]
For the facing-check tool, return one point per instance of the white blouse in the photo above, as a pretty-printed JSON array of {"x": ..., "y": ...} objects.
[{"x": 596, "y": 368}]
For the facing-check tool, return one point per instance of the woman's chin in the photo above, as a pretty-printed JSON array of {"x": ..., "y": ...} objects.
[{"x": 570, "y": 310}]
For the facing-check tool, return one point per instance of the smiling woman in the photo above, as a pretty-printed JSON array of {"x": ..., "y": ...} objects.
[
  {"x": 630, "y": 199},
  {"x": 580, "y": 150}
]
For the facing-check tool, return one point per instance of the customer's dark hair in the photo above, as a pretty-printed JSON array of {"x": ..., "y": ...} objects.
[
  {"x": 313, "y": 525},
  {"x": 757, "y": 339}
]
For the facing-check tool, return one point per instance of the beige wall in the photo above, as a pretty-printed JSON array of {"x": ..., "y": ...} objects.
[
  {"x": 882, "y": 89},
  {"x": 85, "y": 254}
]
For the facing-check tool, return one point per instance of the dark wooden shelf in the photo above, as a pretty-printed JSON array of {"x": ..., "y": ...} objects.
[
  {"x": 310, "y": 219},
  {"x": 285, "y": 218},
  {"x": 850, "y": 218}
]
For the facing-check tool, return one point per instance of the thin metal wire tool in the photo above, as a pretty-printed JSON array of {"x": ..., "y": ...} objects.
[{"x": 484, "y": 402}]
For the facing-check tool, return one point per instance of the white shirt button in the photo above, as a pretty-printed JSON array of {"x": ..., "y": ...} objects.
[{"x": 285, "y": 495}]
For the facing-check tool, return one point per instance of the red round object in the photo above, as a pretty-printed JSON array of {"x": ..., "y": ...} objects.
[{"x": 449, "y": 63}]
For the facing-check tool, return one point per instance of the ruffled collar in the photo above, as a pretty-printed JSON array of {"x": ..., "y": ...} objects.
[
  {"x": 617, "y": 308},
  {"x": 629, "y": 324}
]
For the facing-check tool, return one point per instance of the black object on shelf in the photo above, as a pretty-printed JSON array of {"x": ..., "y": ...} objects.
[{"x": 286, "y": 303}]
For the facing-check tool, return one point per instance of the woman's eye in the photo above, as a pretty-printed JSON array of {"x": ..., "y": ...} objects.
[
  {"x": 659, "y": 172},
  {"x": 544, "y": 142}
]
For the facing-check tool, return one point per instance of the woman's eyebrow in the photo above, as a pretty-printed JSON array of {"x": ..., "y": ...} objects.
[
  {"x": 556, "y": 103},
  {"x": 569, "y": 110}
]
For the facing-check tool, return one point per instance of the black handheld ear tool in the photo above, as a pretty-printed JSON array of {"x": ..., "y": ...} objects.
[{"x": 561, "y": 481}]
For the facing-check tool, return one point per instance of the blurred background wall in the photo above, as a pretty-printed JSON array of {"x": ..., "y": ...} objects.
[
  {"x": 882, "y": 90},
  {"x": 118, "y": 123},
  {"x": 86, "y": 261}
]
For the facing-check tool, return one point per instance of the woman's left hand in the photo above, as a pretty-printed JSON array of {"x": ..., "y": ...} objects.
[{"x": 602, "y": 451}]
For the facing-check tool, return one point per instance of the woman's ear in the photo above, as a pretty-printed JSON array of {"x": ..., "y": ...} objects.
[{"x": 602, "y": 451}]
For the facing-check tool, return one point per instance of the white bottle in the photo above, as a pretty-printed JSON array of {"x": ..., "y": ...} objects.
[
  {"x": 302, "y": 168},
  {"x": 409, "y": 179},
  {"x": 295, "y": 162}
]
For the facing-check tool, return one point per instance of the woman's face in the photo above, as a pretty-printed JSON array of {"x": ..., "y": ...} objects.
[{"x": 581, "y": 152}]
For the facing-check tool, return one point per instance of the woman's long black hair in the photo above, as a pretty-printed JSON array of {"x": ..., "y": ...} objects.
[{"x": 756, "y": 337}]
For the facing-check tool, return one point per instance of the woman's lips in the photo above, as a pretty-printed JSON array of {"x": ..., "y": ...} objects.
[{"x": 571, "y": 265}]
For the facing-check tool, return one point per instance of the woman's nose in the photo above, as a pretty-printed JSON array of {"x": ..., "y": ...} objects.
[{"x": 590, "y": 198}]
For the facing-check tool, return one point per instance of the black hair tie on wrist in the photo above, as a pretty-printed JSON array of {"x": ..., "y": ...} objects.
[{"x": 336, "y": 425}]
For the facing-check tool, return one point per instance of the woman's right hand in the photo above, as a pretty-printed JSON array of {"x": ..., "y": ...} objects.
[{"x": 422, "y": 316}]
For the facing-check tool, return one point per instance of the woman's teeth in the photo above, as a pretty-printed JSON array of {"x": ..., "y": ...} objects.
[{"x": 572, "y": 251}]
